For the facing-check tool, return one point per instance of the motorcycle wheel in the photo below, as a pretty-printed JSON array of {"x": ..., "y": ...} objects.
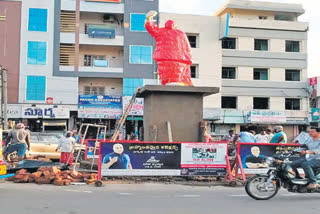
[{"x": 255, "y": 188}]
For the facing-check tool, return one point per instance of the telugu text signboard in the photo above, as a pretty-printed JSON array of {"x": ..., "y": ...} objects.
[
  {"x": 137, "y": 107},
  {"x": 98, "y": 106},
  {"x": 254, "y": 155},
  {"x": 162, "y": 159},
  {"x": 266, "y": 117},
  {"x": 45, "y": 111}
]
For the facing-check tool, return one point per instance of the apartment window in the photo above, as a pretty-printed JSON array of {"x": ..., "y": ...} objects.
[
  {"x": 263, "y": 17},
  {"x": 91, "y": 60},
  {"x": 36, "y": 88},
  {"x": 260, "y": 74},
  {"x": 292, "y": 46},
  {"x": 260, "y": 103},
  {"x": 194, "y": 71},
  {"x": 292, "y": 75},
  {"x": 228, "y": 73},
  {"x": 229, "y": 43},
  {"x": 137, "y": 22},
  {"x": 228, "y": 102},
  {"x": 130, "y": 85},
  {"x": 94, "y": 90},
  {"x": 140, "y": 54},
  {"x": 292, "y": 104},
  {"x": 193, "y": 40},
  {"x": 284, "y": 17},
  {"x": 261, "y": 44},
  {"x": 37, "y": 53},
  {"x": 38, "y": 19}
]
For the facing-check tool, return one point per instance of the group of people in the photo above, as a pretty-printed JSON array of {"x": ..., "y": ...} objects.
[
  {"x": 18, "y": 141},
  {"x": 276, "y": 135}
]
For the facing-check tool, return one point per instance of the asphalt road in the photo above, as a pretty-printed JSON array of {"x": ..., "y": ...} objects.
[{"x": 147, "y": 199}]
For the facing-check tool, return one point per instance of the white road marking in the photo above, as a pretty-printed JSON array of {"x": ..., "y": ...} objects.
[
  {"x": 188, "y": 196},
  {"x": 238, "y": 195},
  {"x": 125, "y": 193},
  {"x": 74, "y": 190}
]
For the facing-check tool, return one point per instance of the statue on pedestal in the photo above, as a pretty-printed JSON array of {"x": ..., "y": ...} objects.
[{"x": 172, "y": 53}]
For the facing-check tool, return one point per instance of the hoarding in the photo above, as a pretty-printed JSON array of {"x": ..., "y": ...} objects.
[
  {"x": 266, "y": 117},
  {"x": 254, "y": 155},
  {"x": 162, "y": 159},
  {"x": 99, "y": 106}
]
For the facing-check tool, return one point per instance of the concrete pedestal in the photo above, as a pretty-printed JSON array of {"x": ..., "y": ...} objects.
[{"x": 182, "y": 106}]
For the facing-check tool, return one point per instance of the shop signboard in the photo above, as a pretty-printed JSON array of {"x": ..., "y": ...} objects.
[
  {"x": 266, "y": 117},
  {"x": 254, "y": 155},
  {"x": 203, "y": 158},
  {"x": 14, "y": 111},
  {"x": 315, "y": 114},
  {"x": 137, "y": 108},
  {"x": 98, "y": 106},
  {"x": 127, "y": 158},
  {"x": 45, "y": 111},
  {"x": 114, "y": 1}
]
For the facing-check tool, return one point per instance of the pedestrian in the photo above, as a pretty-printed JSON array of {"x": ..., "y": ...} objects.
[
  {"x": 279, "y": 136},
  {"x": 262, "y": 137},
  {"x": 269, "y": 135},
  {"x": 245, "y": 137},
  {"x": 18, "y": 140},
  {"x": 229, "y": 137},
  {"x": 66, "y": 145}
]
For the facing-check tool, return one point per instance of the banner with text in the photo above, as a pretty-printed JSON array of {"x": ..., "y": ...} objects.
[{"x": 254, "y": 155}]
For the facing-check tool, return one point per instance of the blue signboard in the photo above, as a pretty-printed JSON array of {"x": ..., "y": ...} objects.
[{"x": 99, "y": 106}]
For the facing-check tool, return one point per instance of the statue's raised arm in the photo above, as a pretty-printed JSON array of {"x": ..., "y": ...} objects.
[{"x": 172, "y": 53}]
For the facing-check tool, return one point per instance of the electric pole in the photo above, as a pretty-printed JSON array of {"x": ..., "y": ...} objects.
[{"x": 4, "y": 98}]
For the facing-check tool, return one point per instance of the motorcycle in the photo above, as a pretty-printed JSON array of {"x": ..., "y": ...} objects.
[{"x": 266, "y": 186}]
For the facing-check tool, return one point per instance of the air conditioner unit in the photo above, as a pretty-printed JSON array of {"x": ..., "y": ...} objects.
[{"x": 108, "y": 18}]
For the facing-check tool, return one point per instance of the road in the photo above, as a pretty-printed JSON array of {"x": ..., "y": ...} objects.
[{"x": 147, "y": 199}]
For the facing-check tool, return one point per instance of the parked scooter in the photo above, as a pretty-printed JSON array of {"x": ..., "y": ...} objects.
[{"x": 266, "y": 186}]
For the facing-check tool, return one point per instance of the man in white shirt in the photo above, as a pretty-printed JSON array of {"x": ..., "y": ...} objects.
[
  {"x": 269, "y": 134},
  {"x": 262, "y": 137}
]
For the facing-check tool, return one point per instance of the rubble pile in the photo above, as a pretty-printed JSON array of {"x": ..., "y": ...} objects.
[{"x": 54, "y": 176}]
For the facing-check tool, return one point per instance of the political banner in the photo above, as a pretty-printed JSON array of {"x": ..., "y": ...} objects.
[
  {"x": 90, "y": 144},
  {"x": 140, "y": 159},
  {"x": 254, "y": 155},
  {"x": 204, "y": 158}
]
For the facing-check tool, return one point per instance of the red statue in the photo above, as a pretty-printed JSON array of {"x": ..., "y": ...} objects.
[{"x": 172, "y": 54}]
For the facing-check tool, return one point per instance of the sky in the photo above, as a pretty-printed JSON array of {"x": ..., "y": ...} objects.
[{"x": 209, "y": 7}]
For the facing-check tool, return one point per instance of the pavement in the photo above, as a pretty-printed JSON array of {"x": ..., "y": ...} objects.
[{"x": 147, "y": 198}]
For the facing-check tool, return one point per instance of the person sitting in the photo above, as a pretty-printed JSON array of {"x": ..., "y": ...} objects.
[
  {"x": 18, "y": 140},
  {"x": 311, "y": 160}
]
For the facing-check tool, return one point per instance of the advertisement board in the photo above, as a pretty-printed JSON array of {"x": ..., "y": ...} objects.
[
  {"x": 162, "y": 159},
  {"x": 90, "y": 150},
  {"x": 137, "y": 108},
  {"x": 266, "y": 117},
  {"x": 98, "y": 106},
  {"x": 45, "y": 111},
  {"x": 254, "y": 155},
  {"x": 203, "y": 158}
]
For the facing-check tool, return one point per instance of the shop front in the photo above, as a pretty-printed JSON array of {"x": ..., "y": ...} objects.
[
  {"x": 40, "y": 118},
  {"x": 134, "y": 123},
  {"x": 99, "y": 109}
]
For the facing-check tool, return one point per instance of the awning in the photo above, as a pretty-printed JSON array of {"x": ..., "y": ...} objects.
[{"x": 54, "y": 123}]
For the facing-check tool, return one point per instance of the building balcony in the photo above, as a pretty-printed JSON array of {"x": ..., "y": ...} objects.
[
  {"x": 106, "y": 38},
  {"x": 98, "y": 66},
  {"x": 268, "y": 24},
  {"x": 92, "y": 6}
]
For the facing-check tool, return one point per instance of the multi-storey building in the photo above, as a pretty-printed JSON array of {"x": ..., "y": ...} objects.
[
  {"x": 258, "y": 56},
  {"x": 81, "y": 60}
]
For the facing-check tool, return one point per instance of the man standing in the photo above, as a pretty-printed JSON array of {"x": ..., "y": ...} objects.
[
  {"x": 312, "y": 158},
  {"x": 19, "y": 140},
  {"x": 269, "y": 135},
  {"x": 262, "y": 137},
  {"x": 229, "y": 137},
  {"x": 279, "y": 136}
]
